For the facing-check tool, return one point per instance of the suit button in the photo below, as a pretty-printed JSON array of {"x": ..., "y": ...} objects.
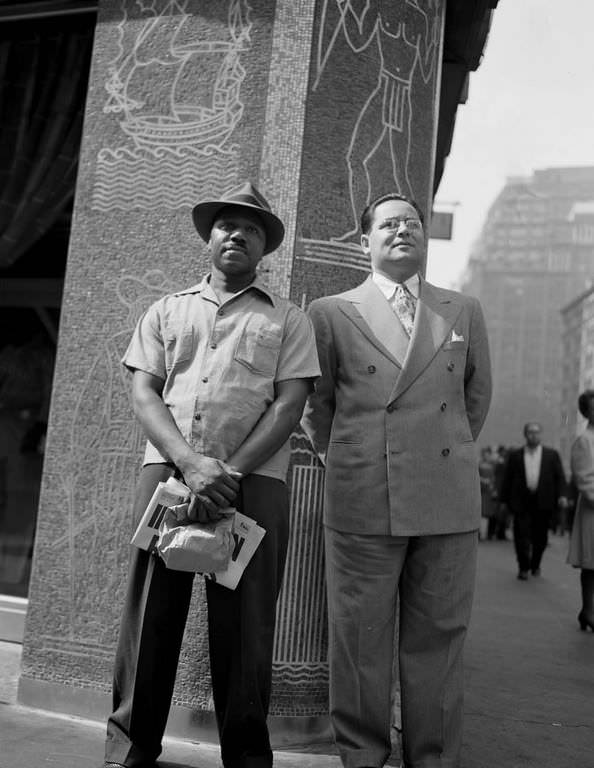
[
  {"x": 371, "y": 369},
  {"x": 392, "y": 407},
  {"x": 445, "y": 452},
  {"x": 443, "y": 406},
  {"x": 450, "y": 366}
]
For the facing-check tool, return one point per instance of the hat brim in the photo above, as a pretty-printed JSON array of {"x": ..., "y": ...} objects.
[{"x": 204, "y": 214}]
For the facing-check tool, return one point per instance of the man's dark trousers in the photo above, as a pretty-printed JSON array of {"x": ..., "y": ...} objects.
[
  {"x": 530, "y": 533},
  {"x": 241, "y": 636}
]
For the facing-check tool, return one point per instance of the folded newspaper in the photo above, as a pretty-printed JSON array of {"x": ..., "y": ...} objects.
[{"x": 219, "y": 550}]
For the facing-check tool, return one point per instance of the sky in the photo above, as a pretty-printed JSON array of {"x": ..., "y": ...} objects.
[{"x": 530, "y": 106}]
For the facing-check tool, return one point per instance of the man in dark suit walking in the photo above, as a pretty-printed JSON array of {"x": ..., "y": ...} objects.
[
  {"x": 534, "y": 486},
  {"x": 404, "y": 391}
]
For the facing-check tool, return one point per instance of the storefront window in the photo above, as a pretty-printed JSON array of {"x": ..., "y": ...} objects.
[{"x": 26, "y": 367}]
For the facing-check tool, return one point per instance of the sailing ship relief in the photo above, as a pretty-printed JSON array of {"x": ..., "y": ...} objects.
[{"x": 177, "y": 100}]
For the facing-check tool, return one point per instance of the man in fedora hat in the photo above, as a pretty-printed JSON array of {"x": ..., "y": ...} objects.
[{"x": 221, "y": 372}]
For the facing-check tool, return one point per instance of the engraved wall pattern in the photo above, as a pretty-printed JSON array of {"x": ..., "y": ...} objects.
[{"x": 177, "y": 99}]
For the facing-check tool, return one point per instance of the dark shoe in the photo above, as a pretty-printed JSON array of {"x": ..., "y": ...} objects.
[
  {"x": 584, "y": 623},
  {"x": 523, "y": 575},
  {"x": 536, "y": 571}
]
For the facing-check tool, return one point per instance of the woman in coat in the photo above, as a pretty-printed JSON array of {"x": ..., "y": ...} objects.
[{"x": 581, "y": 547}]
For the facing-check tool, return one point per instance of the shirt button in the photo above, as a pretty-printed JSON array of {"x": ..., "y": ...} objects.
[
  {"x": 392, "y": 407},
  {"x": 205, "y": 379},
  {"x": 221, "y": 312},
  {"x": 213, "y": 345},
  {"x": 197, "y": 416},
  {"x": 450, "y": 366},
  {"x": 371, "y": 369},
  {"x": 445, "y": 452},
  {"x": 443, "y": 406}
]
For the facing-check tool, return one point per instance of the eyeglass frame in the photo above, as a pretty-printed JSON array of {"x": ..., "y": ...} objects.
[{"x": 411, "y": 223}]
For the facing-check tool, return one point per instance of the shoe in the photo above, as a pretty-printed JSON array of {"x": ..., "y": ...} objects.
[
  {"x": 584, "y": 623},
  {"x": 536, "y": 571},
  {"x": 523, "y": 575}
]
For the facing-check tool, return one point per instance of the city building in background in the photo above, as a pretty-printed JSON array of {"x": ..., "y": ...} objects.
[
  {"x": 578, "y": 363},
  {"x": 534, "y": 256}
]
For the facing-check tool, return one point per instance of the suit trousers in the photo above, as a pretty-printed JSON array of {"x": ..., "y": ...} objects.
[
  {"x": 241, "y": 626},
  {"x": 434, "y": 578},
  {"x": 531, "y": 533}
]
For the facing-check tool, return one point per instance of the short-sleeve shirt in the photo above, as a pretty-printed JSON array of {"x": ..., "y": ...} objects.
[{"x": 220, "y": 362}]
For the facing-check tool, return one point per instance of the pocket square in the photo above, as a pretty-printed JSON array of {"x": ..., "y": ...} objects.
[{"x": 456, "y": 336}]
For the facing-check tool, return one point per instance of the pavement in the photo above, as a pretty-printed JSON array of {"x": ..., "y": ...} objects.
[{"x": 529, "y": 685}]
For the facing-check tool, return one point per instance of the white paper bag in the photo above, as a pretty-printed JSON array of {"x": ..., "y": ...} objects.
[{"x": 197, "y": 547}]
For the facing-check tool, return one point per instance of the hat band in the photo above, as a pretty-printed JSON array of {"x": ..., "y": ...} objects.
[{"x": 249, "y": 200}]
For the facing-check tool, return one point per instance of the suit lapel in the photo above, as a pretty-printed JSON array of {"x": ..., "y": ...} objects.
[
  {"x": 370, "y": 311},
  {"x": 435, "y": 316}
]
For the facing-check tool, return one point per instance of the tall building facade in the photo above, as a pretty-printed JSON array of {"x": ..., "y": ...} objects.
[
  {"x": 534, "y": 256},
  {"x": 578, "y": 364}
]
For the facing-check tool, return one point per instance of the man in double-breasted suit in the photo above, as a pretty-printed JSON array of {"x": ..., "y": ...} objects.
[
  {"x": 404, "y": 392},
  {"x": 534, "y": 487}
]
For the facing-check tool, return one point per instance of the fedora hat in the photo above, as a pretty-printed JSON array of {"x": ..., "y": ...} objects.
[{"x": 245, "y": 196}]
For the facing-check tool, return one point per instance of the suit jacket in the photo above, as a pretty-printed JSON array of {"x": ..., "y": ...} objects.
[
  {"x": 551, "y": 482},
  {"x": 395, "y": 423}
]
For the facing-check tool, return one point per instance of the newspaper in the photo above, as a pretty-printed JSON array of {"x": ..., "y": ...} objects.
[
  {"x": 166, "y": 495},
  {"x": 247, "y": 534}
]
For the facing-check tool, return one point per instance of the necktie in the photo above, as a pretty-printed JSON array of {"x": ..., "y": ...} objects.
[{"x": 404, "y": 306}]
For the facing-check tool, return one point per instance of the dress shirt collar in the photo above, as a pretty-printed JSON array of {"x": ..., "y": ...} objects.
[
  {"x": 204, "y": 287},
  {"x": 388, "y": 286},
  {"x": 534, "y": 453},
  {"x": 532, "y": 462}
]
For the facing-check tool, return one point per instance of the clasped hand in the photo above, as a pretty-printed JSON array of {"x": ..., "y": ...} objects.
[{"x": 214, "y": 485}]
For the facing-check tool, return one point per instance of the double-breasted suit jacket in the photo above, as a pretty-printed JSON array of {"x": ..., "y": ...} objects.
[{"x": 395, "y": 422}]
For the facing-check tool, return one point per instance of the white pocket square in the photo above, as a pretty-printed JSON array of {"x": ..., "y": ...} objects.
[{"x": 456, "y": 337}]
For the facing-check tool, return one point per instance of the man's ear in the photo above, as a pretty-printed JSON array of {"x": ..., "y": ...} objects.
[{"x": 365, "y": 243}]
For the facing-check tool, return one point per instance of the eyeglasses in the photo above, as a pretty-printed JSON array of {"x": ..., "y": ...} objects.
[{"x": 414, "y": 225}]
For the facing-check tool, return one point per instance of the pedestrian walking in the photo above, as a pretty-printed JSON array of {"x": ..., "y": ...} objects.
[
  {"x": 581, "y": 546},
  {"x": 534, "y": 485}
]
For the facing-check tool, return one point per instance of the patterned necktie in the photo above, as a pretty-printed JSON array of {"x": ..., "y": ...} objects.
[{"x": 404, "y": 306}]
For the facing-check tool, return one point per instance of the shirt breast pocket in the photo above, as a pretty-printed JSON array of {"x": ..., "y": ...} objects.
[
  {"x": 258, "y": 349},
  {"x": 178, "y": 347}
]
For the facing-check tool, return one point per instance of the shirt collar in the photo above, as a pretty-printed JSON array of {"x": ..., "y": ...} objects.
[
  {"x": 204, "y": 287},
  {"x": 536, "y": 452},
  {"x": 388, "y": 286}
]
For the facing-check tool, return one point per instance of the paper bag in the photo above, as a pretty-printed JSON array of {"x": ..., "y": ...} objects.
[{"x": 197, "y": 547}]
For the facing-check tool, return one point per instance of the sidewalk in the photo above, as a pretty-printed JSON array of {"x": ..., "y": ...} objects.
[
  {"x": 529, "y": 669},
  {"x": 529, "y": 685}
]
